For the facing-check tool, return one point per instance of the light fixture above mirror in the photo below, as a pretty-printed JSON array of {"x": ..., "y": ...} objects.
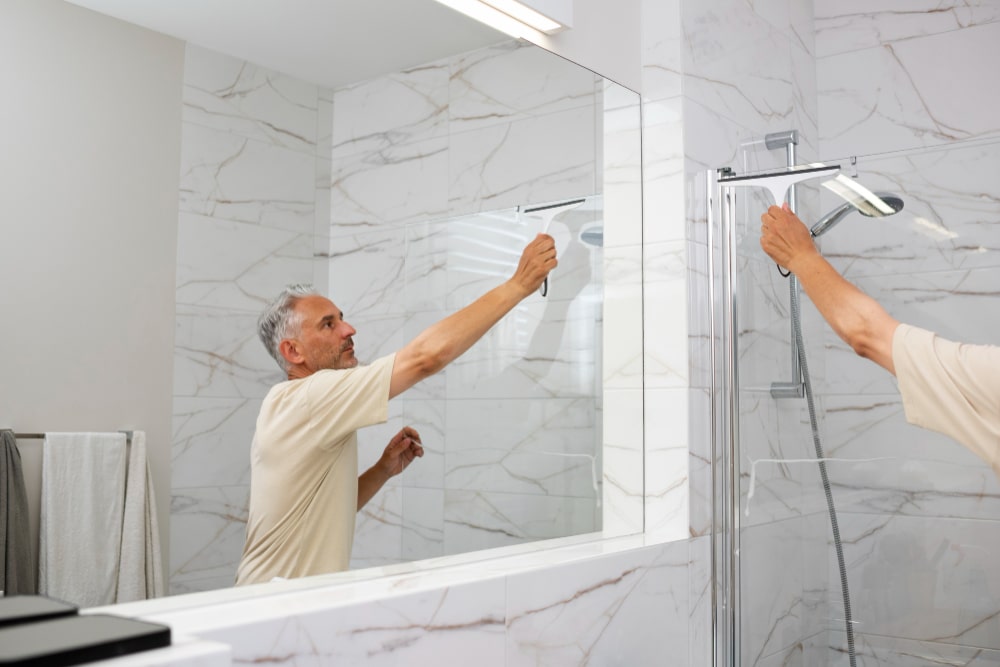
[{"x": 518, "y": 17}]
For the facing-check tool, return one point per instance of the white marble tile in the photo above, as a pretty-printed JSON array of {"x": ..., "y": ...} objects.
[
  {"x": 513, "y": 81},
  {"x": 426, "y": 265},
  {"x": 523, "y": 446},
  {"x": 665, "y": 314},
  {"x": 217, "y": 353},
  {"x": 918, "y": 472},
  {"x": 623, "y": 493},
  {"x": 919, "y": 92},
  {"x": 324, "y": 122},
  {"x": 423, "y": 523},
  {"x": 700, "y": 302},
  {"x": 211, "y": 441},
  {"x": 859, "y": 24},
  {"x": 463, "y": 622},
  {"x": 663, "y": 192},
  {"x": 726, "y": 68},
  {"x": 771, "y": 599},
  {"x": 321, "y": 226},
  {"x": 805, "y": 107},
  {"x": 621, "y": 155},
  {"x": 399, "y": 108},
  {"x": 207, "y": 532},
  {"x": 378, "y": 532},
  {"x": 235, "y": 265},
  {"x": 546, "y": 158},
  {"x": 700, "y": 602},
  {"x": 228, "y": 176},
  {"x": 623, "y": 305},
  {"x": 429, "y": 417},
  {"x": 700, "y": 485},
  {"x": 367, "y": 272},
  {"x": 776, "y": 486},
  {"x": 599, "y": 612},
  {"x": 542, "y": 349},
  {"x": 802, "y": 16},
  {"x": 666, "y": 463},
  {"x": 711, "y": 141},
  {"x": 661, "y": 50},
  {"x": 402, "y": 183},
  {"x": 949, "y": 218},
  {"x": 872, "y": 651},
  {"x": 235, "y": 96},
  {"x": 948, "y": 590},
  {"x": 480, "y": 520}
]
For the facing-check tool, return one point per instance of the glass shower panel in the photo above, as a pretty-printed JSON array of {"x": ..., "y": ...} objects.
[
  {"x": 918, "y": 514},
  {"x": 521, "y": 453}
]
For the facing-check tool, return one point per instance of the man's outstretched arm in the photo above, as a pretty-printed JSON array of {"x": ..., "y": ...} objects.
[
  {"x": 443, "y": 342},
  {"x": 856, "y": 317}
]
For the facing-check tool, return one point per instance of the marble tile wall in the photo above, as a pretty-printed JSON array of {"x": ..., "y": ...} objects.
[
  {"x": 904, "y": 92},
  {"x": 630, "y": 606},
  {"x": 254, "y": 181}
]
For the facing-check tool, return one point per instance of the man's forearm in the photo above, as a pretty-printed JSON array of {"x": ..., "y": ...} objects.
[
  {"x": 369, "y": 484},
  {"x": 443, "y": 342},
  {"x": 856, "y": 317}
]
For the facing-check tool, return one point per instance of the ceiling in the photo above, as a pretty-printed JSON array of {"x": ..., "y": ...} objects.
[{"x": 328, "y": 42}]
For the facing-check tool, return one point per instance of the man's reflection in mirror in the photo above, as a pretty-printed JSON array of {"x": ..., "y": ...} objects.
[{"x": 304, "y": 487}]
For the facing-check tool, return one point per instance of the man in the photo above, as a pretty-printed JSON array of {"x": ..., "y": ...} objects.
[
  {"x": 951, "y": 388},
  {"x": 304, "y": 488}
]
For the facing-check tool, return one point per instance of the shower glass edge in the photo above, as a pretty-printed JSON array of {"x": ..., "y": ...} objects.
[{"x": 721, "y": 188}]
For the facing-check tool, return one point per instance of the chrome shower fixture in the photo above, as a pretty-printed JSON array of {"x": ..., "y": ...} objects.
[{"x": 892, "y": 204}]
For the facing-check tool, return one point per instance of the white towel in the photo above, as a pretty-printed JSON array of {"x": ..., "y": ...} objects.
[
  {"x": 80, "y": 528},
  {"x": 140, "y": 575}
]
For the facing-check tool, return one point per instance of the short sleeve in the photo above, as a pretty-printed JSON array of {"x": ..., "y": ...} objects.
[
  {"x": 952, "y": 388},
  {"x": 342, "y": 401}
]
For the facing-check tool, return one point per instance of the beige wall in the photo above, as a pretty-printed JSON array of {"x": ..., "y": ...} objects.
[{"x": 88, "y": 226}]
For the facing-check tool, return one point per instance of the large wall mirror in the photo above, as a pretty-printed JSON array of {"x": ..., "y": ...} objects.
[{"x": 405, "y": 190}]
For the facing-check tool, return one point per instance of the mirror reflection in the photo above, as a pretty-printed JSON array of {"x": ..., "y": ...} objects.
[
  {"x": 509, "y": 429},
  {"x": 402, "y": 198}
]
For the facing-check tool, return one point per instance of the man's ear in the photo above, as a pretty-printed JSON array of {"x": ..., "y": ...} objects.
[{"x": 290, "y": 351}]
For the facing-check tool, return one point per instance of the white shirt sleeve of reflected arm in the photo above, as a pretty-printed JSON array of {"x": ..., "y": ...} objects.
[{"x": 952, "y": 388}]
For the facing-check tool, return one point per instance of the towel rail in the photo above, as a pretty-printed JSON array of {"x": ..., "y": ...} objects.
[{"x": 40, "y": 436}]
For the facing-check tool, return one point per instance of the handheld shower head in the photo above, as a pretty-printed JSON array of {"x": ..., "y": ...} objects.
[{"x": 823, "y": 225}]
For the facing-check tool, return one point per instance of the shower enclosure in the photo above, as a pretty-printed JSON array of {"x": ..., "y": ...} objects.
[{"x": 918, "y": 515}]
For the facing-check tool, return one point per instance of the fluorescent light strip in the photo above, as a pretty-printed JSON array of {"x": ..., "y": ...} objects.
[
  {"x": 492, "y": 17},
  {"x": 525, "y": 15}
]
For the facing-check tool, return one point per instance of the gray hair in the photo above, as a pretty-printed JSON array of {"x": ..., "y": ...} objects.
[{"x": 279, "y": 320}]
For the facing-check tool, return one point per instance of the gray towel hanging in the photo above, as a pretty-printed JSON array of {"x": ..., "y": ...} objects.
[{"x": 16, "y": 573}]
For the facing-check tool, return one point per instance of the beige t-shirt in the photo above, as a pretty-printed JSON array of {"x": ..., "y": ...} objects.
[
  {"x": 304, "y": 471},
  {"x": 951, "y": 388}
]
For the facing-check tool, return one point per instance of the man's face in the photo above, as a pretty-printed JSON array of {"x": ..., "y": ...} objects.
[{"x": 325, "y": 339}]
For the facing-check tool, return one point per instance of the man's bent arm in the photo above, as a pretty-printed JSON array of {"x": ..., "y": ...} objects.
[{"x": 369, "y": 484}]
